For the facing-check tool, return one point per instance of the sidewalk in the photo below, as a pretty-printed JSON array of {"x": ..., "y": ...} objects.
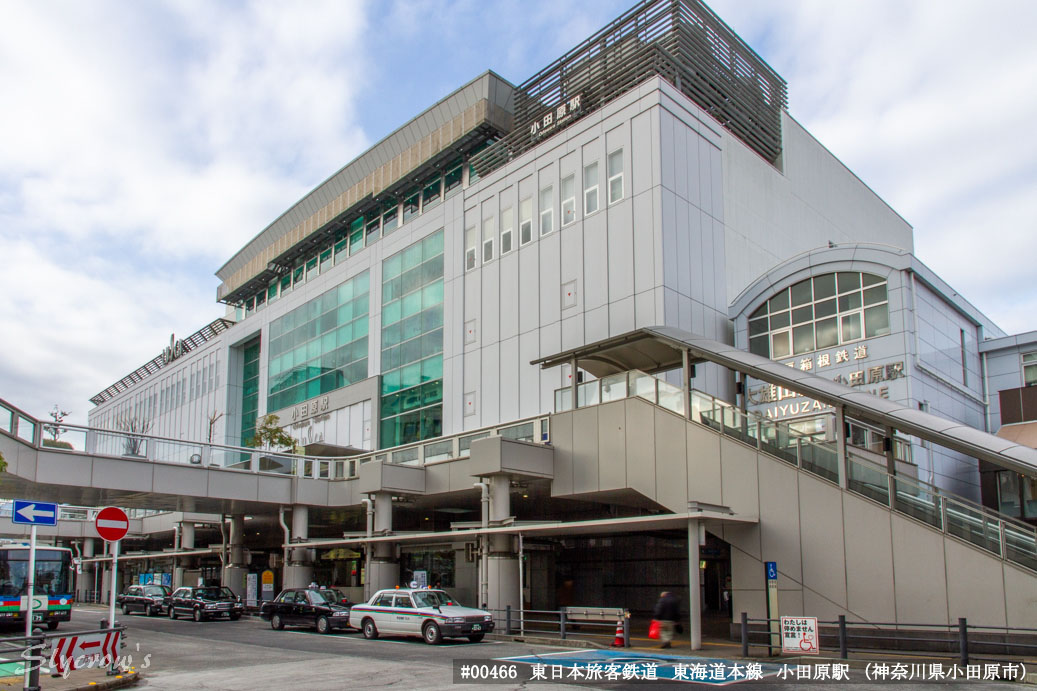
[{"x": 92, "y": 679}]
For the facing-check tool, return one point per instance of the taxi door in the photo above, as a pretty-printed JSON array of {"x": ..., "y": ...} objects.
[
  {"x": 405, "y": 619},
  {"x": 382, "y": 614}
]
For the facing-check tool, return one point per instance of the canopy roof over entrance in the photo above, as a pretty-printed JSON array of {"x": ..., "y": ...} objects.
[
  {"x": 661, "y": 348},
  {"x": 604, "y": 526}
]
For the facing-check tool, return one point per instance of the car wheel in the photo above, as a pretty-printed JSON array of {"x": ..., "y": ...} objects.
[
  {"x": 152, "y": 610},
  {"x": 198, "y": 616},
  {"x": 235, "y": 617},
  {"x": 172, "y": 612},
  {"x": 476, "y": 637},
  {"x": 276, "y": 623},
  {"x": 125, "y": 610},
  {"x": 323, "y": 625},
  {"x": 51, "y": 625},
  {"x": 432, "y": 634},
  {"x": 370, "y": 630}
]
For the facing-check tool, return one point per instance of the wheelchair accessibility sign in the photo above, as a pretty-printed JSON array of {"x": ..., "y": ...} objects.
[{"x": 799, "y": 636}]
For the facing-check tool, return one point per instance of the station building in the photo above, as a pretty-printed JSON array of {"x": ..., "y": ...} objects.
[{"x": 509, "y": 304}]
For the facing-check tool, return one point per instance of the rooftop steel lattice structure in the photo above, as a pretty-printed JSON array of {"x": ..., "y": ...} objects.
[
  {"x": 198, "y": 338},
  {"x": 683, "y": 42}
]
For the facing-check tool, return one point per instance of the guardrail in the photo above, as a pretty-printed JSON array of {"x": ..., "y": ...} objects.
[
  {"x": 31, "y": 649},
  {"x": 566, "y": 624},
  {"x": 128, "y": 444},
  {"x": 964, "y": 640}
]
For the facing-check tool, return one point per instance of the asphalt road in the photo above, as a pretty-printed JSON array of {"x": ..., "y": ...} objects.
[{"x": 247, "y": 655}]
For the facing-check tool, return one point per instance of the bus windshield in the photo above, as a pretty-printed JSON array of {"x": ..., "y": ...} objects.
[{"x": 53, "y": 572}]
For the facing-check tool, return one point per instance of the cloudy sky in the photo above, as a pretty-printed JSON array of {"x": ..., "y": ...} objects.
[{"x": 142, "y": 143}]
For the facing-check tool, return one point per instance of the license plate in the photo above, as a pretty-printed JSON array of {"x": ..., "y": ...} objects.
[
  {"x": 37, "y": 617},
  {"x": 476, "y": 627}
]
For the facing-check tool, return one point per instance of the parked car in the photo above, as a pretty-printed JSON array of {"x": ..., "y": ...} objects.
[
  {"x": 339, "y": 596},
  {"x": 320, "y": 609},
  {"x": 150, "y": 599},
  {"x": 205, "y": 602},
  {"x": 431, "y": 614}
]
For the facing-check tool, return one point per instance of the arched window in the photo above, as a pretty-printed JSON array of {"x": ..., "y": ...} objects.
[{"x": 820, "y": 312}]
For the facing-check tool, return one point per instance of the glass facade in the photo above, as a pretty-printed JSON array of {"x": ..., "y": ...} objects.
[
  {"x": 820, "y": 312},
  {"x": 412, "y": 343},
  {"x": 320, "y": 346},
  {"x": 249, "y": 391}
]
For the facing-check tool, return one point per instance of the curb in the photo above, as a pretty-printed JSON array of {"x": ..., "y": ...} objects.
[{"x": 121, "y": 681}]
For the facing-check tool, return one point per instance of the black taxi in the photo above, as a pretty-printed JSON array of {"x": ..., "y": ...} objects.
[
  {"x": 205, "y": 602},
  {"x": 150, "y": 599},
  {"x": 319, "y": 608}
]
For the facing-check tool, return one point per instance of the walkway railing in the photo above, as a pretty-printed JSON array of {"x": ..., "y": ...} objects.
[
  {"x": 137, "y": 445},
  {"x": 1004, "y": 536}
]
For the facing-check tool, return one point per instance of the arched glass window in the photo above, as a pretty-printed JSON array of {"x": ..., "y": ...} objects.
[{"x": 820, "y": 312}]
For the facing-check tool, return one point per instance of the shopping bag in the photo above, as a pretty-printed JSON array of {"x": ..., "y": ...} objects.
[{"x": 654, "y": 629}]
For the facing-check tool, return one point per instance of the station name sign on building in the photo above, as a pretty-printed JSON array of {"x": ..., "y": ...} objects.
[
  {"x": 874, "y": 375},
  {"x": 557, "y": 117},
  {"x": 175, "y": 349}
]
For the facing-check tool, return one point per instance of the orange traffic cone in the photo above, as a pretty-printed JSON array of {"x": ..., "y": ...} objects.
[{"x": 618, "y": 643}]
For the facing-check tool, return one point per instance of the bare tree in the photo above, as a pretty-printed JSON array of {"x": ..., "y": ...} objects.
[
  {"x": 135, "y": 427},
  {"x": 214, "y": 417},
  {"x": 59, "y": 415}
]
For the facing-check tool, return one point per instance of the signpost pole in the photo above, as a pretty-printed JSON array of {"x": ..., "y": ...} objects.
[
  {"x": 111, "y": 595},
  {"x": 30, "y": 592}
]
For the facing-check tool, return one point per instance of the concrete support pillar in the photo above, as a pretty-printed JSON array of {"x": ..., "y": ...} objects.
[
  {"x": 694, "y": 585},
  {"x": 503, "y": 562},
  {"x": 235, "y": 570},
  {"x": 85, "y": 581},
  {"x": 385, "y": 569},
  {"x": 298, "y": 572},
  {"x": 185, "y": 565}
]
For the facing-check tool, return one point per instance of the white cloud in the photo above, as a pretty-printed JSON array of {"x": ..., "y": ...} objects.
[
  {"x": 929, "y": 102},
  {"x": 145, "y": 143}
]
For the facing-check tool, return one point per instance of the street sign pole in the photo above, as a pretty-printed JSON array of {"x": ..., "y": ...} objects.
[
  {"x": 30, "y": 591},
  {"x": 114, "y": 578}
]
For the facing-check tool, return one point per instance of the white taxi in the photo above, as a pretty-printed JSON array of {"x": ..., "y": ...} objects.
[{"x": 426, "y": 612}]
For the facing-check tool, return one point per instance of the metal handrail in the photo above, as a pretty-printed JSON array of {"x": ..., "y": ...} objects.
[
  {"x": 316, "y": 467},
  {"x": 957, "y": 634}
]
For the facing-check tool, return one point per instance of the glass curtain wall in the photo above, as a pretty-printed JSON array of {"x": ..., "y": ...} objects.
[
  {"x": 412, "y": 343},
  {"x": 249, "y": 391},
  {"x": 320, "y": 346}
]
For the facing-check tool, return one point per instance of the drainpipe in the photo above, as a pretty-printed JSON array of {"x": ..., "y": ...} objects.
[
  {"x": 287, "y": 539},
  {"x": 369, "y": 506},
  {"x": 484, "y": 562}
]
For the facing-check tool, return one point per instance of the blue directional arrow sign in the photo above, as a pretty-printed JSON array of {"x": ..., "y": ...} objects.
[{"x": 34, "y": 512}]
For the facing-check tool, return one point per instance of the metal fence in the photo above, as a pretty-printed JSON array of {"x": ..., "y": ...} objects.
[
  {"x": 565, "y": 624},
  {"x": 962, "y": 640}
]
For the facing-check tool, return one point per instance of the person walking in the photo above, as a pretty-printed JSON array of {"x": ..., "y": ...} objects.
[{"x": 667, "y": 612}]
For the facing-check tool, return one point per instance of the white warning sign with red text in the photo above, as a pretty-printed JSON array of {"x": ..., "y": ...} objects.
[
  {"x": 799, "y": 636},
  {"x": 85, "y": 650}
]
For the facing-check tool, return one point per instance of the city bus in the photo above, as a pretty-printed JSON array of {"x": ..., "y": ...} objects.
[{"x": 53, "y": 584}]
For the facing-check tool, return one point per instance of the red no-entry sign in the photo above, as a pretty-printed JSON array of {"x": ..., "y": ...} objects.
[{"x": 112, "y": 524}]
